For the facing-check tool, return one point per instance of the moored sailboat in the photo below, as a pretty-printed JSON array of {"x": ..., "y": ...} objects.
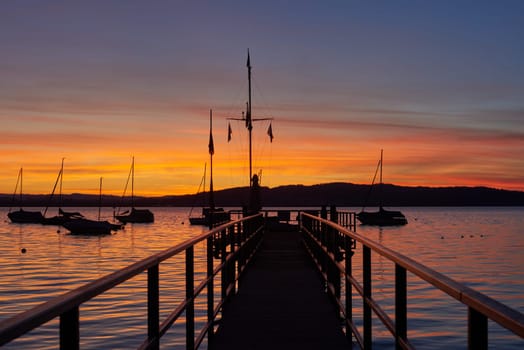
[
  {"x": 83, "y": 226},
  {"x": 210, "y": 215},
  {"x": 22, "y": 216},
  {"x": 382, "y": 217},
  {"x": 63, "y": 216},
  {"x": 134, "y": 215}
]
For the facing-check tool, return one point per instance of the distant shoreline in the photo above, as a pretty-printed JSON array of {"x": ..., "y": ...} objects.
[{"x": 339, "y": 194}]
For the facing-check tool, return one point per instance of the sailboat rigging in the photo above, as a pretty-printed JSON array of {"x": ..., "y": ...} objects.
[
  {"x": 135, "y": 215},
  {"x": 254, "y": 181},
  {"x": 22, "y": 216},
  {"x": 381, "y": 217},
  {"x": 202, "y": 186},
  {"x": 248, "y": 119},
  {"x": 210, "y": 215},
  {"x": 62, "y": 216}
]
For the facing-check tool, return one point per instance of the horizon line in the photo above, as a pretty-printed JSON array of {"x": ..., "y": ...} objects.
[{"x": 270, "y": 188}]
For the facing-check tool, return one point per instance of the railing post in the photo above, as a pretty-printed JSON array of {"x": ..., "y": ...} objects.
[
  {"x": 400, "y": 305},
  {"x": 224, "y": 272},
  {"x": 366, "y": 266},
  {"x": 210, "y": 292},
  {"x": 243, "y": 252},
  {"x": 333, "y": 215},
  {"x": 349, "y": 288},
  {"x": 153, "y": 317},
  {"x": 477, "y": 330},
  {"x": 233, "y": 261},
  {"x": 190, "y": 309},
  {"x": 323, "y": 212},
  {"x": 69, "y": 330}
]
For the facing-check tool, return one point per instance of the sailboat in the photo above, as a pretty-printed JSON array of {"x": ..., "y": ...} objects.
[
  {"x": 135, "y": 215},
  {"x": 382, "y": 217},
  {"x": 62, "y": 216},
  {"x": 210, "y": 215},
  {"x": 22, "y": 216},
  {"x": 83, "y": 226}
]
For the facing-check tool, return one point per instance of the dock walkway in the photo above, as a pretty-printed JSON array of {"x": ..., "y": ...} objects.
[{"x": 281, "y": 303}]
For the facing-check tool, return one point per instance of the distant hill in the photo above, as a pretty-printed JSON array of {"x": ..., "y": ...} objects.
[{"x": 339, "y": 194}]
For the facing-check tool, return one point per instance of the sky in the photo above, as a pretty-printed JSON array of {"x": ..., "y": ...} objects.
[{"x": 438, "y": 85}]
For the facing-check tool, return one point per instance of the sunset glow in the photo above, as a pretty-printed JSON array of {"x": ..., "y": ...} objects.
[{"x": 438, "y": 86}]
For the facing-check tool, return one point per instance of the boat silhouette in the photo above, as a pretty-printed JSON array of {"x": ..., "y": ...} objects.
[
  {"x": 134, "y": 215},
  {"x": 22, "y": 216},
  {"x": 83, "y": 226},
  {"x": 63, "y": 216},
  {"x": 210, "y": 215},
  {"x": 382, "y": 217}
]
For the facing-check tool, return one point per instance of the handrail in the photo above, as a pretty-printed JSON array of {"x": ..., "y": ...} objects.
[
  {"x": 242, "y": 237},
  {"x": 330, "y": 243}
]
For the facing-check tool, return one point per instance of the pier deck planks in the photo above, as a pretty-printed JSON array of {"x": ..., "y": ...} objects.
[{"x": 281, "y": 303}]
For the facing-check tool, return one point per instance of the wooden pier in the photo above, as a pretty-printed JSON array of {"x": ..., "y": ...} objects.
[{"x": 281, "y": 303}]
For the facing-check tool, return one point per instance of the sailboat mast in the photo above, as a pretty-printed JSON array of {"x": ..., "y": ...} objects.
[
  {"x": 100, "y": 198},
  {"x": 21, "y": 182},
  {"x": 61, "y": 178},
  {"x": 249, "y": 123},
  {"x": 18, "y": 181},
  {"x": 211, "y": 152},
  {"x": 204, "y": 179},
  {"x": 381, "y": 162},
  {"x": 133, "y": 183},
  {"x": 381, "y": 185}
]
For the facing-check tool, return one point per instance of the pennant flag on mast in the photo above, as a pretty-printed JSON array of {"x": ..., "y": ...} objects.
[
  {"x": 211, "y": 143},
  {"x": 229, "y": 132},
  {"x": 270, "y": 133}
]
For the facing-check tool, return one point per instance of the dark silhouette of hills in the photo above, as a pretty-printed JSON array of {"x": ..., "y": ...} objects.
[{"x": 339, "y": 194}]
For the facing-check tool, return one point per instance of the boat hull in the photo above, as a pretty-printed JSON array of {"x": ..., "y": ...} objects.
[
  {"x": 137, "y": 216},
  {"x": 25, "y": 217},
  {"x": 217, "y": 216},
  {"x": 90, "y": 227},
  {"x": 62, "y": 218},
  {"x": 382, "y": 218}
]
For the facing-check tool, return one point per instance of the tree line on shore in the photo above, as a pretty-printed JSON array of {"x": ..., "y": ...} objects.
[{"x": 339, "y": 194}]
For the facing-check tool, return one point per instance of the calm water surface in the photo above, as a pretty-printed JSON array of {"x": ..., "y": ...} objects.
[{"x": 480, "y": 247}]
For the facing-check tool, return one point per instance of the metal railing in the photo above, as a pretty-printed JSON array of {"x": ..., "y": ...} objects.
[
  {"x": 233, "y": 244},
  {"x": 332, "y": 246}
]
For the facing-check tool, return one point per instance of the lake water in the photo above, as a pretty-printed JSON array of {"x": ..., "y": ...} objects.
[{"x": 480, "y": 247}]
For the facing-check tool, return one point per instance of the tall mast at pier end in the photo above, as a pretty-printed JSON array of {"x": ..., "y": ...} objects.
[{"x": 249, "y": 123}]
